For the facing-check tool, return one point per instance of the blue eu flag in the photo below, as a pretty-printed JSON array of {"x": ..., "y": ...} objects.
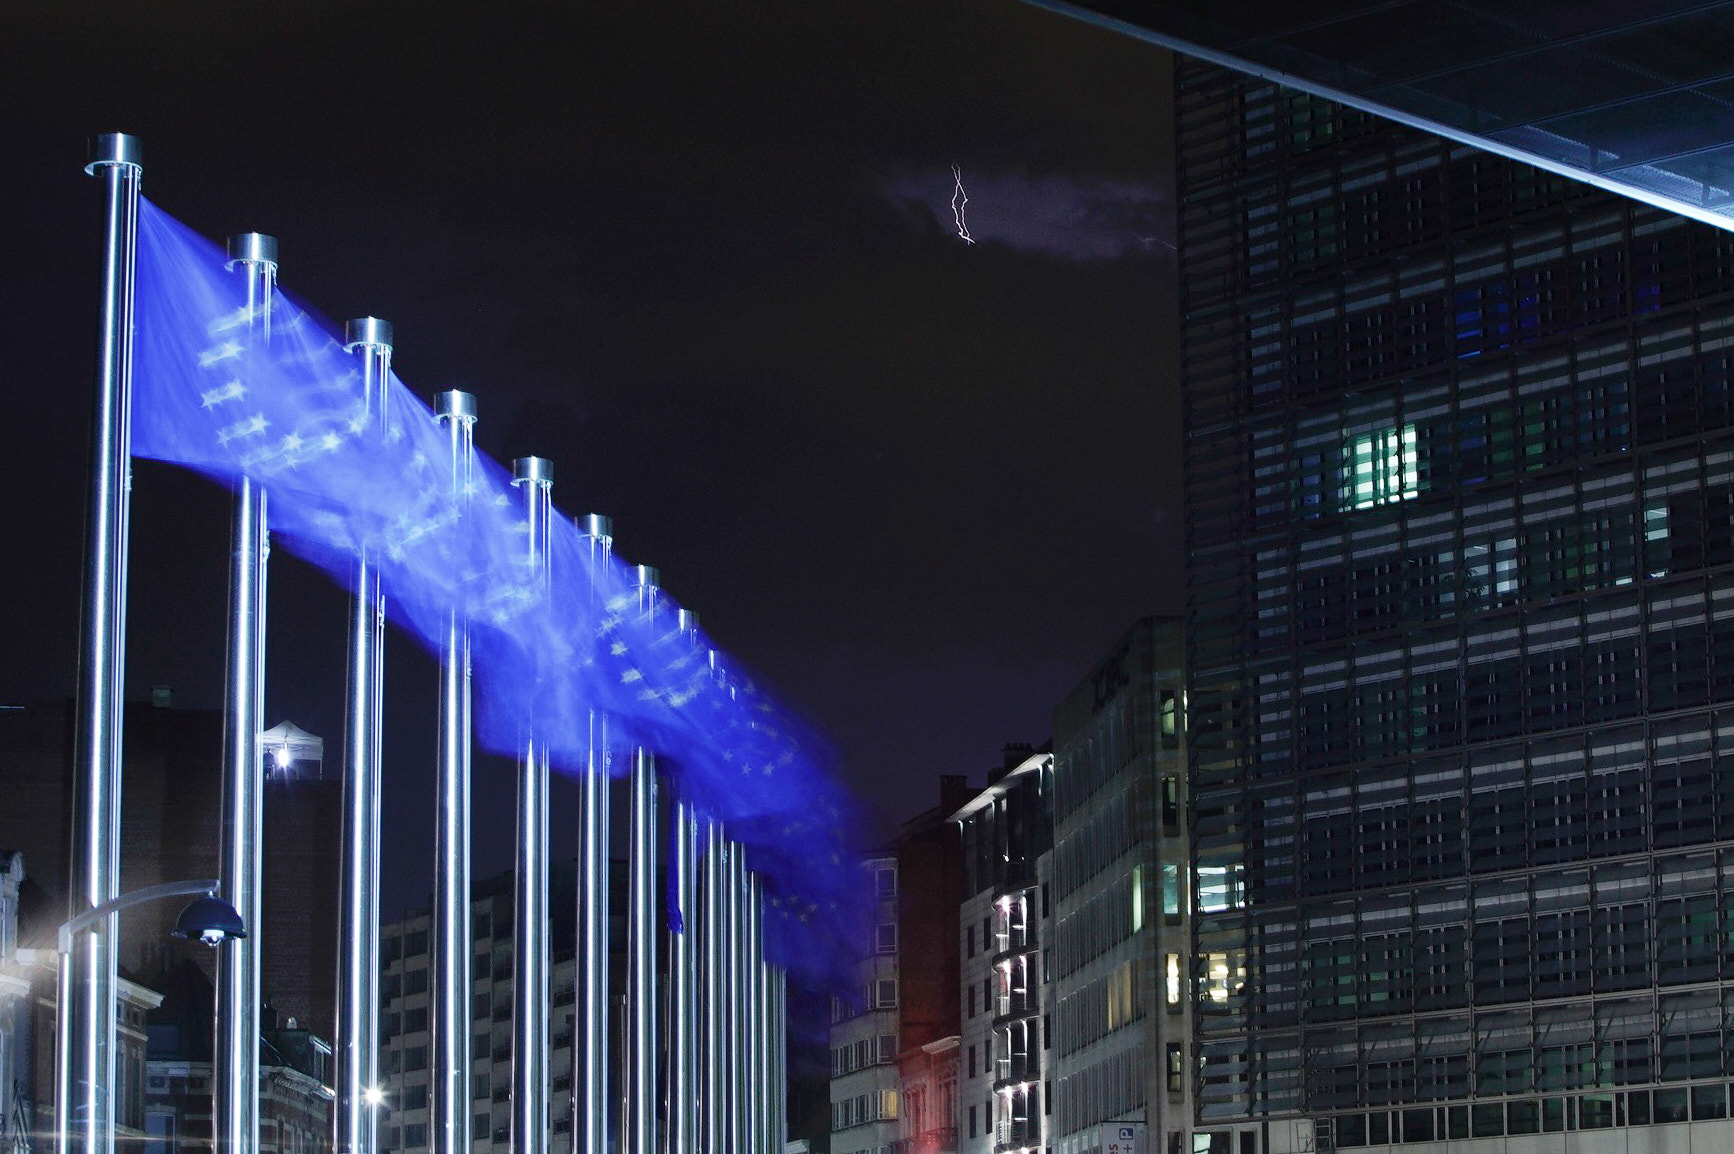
[{"x": 214, "y": 393}]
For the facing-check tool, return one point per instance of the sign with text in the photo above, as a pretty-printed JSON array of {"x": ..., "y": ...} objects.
[{"x": 1123, "y": 1138}]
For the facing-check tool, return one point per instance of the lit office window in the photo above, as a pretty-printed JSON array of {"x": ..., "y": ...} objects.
[
  {"x": 1656, "y": 546},
  {"x": 1171, "y": 891},
  {"x": 1122, "y": 997},
  {"x": 1224, "y": 974},
  {"x": 1381, "y": 467},
  {"x": 1219, "y": 888},
  {"x": 1172, "y": 982}
]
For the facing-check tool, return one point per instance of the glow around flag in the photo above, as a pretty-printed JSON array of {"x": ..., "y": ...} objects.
[{"x": 213, "y": 394}]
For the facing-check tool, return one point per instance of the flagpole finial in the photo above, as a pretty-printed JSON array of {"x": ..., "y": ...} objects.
[
  {"x": 370, "y": 331},
  {"x": 252, "y": 248},
  {"x": 536, "y": 470},
  {"x": 455, "y": 404},
  {"x": 111, "y": 148}
]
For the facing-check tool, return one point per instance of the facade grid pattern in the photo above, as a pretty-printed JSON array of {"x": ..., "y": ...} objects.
[
  {"x": 1460, "y": 630},
  {"x": 1123, "y": 893}
]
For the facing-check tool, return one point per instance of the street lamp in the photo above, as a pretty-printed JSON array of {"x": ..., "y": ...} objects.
[
  {"x": 211, "y": 920},
  {"x": 208, "y": 919}
]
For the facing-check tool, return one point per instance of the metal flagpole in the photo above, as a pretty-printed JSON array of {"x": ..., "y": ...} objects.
[
  {"x": 449, "y": 1132},
  {"x": 750, "y": 1102},
  {"x": 746, "y": 1030},
  {"x": 235, "y": 1092},
  {"x": 715, "y": 943},
  {"x": 642, "y": 937},
  {"x": 530, "y": 956},
  {"x": 780, "y": 1058},
  {"x": 683, "y": 989},
  {"x": 84, "y": 1107},
  {"x": 683, "y": 965},
  {"x": 591, "y": 1103},
  {"x": 357, "y": 1052},
  {"x": 759, "y": 1109},
  {"x": 732, "y": 1056}
]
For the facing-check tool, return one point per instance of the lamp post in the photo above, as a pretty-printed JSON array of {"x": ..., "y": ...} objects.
[{"x": 209, "y": 919}]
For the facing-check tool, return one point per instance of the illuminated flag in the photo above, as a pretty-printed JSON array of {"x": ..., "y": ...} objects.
[{"x": 289, "y": 412}]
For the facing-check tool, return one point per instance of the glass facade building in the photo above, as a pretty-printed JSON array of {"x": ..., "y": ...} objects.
[
  {"x": 1460, "y": 639},
  {"x": 1123, "y": 897}
]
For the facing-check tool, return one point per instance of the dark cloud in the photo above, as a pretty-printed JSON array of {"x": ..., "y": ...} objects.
[{"x": 1081, "y": 216}]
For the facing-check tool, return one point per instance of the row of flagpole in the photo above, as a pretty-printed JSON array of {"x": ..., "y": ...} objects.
[{"x": 716, "y": 1052}]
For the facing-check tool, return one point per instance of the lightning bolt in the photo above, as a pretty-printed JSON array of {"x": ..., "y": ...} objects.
[{"x": 959, "y": 199}]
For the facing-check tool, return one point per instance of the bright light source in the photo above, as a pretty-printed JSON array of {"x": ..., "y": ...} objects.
[
  {"x": 282, "y": 757},
  {"x": 373, "y": 1096}
]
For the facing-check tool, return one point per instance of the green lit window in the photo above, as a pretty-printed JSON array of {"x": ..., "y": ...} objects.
[
  {"x": 1381, "y": 467},
  {"x": 1171, "y": 892},
  {"x": 1137, "y": 898}
]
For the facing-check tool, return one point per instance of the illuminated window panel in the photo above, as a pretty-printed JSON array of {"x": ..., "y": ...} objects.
[{"x": 1381, "y": 467}]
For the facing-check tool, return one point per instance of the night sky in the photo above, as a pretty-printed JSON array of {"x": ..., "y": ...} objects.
[{"x": 703, "y": 257}]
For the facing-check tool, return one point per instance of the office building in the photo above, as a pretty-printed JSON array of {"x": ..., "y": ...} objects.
[
  {"x": 303, "y": 856},
  {"x": 405, "y": 998},
  {"x": 1005, "y": 926},
  {"x": 1123, "y": 894},
  {"x": 904, "y": 1016},
  {"x": 1460, "y": 633},
  {"x": 865, "y": 1083}
]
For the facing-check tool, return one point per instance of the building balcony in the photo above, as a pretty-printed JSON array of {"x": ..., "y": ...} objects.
[
  {"x": 938, "y": 1141},
  {"x": 1015, "y": 876}
]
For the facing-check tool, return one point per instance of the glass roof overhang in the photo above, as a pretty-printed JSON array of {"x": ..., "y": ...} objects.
[{"x": 1635, "y": 96}]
